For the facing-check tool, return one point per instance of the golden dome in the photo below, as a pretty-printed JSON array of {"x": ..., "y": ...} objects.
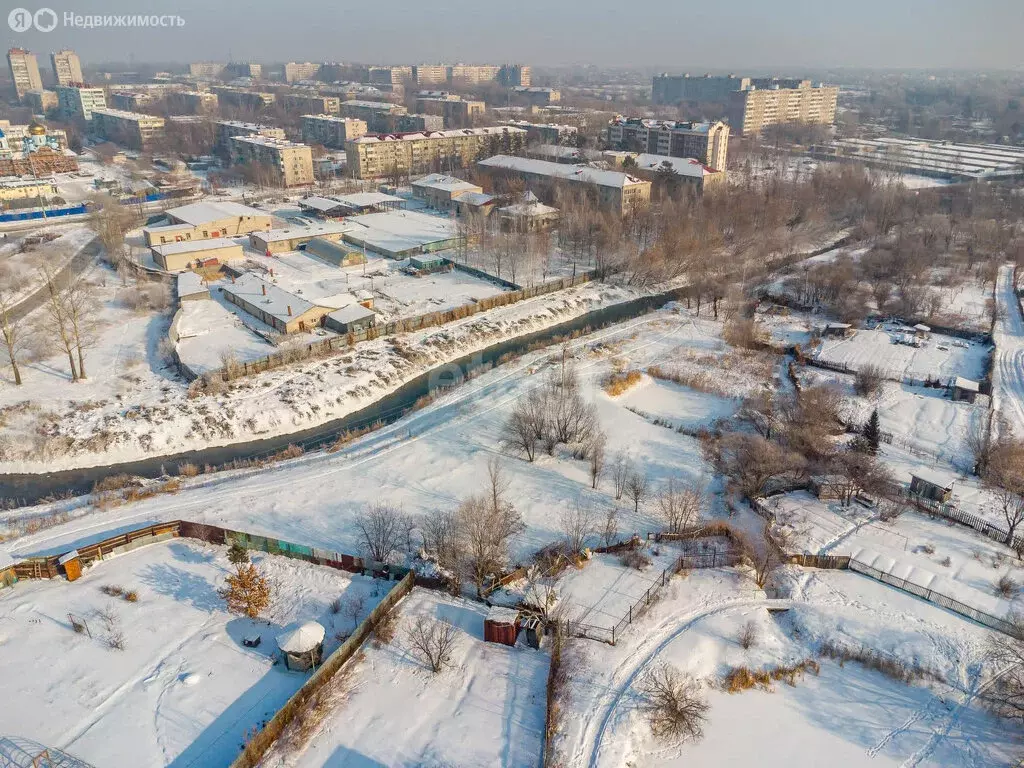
[{"x": 36, "y": 129}]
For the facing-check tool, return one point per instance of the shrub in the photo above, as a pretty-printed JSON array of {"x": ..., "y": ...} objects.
[
  {"x": 387, "y": 626},
  {"x": 890, "y": 666},
  {"x": 1007, "y": 586},
  {"x": 188, "y": 469},
  {"x": 131, "y": 596},
  {"x": 674, "y": 707},
  {"x": 336, "y": 605},
  {"x": 432, "y": 642},
  {"x": 617, "y": 383},
  {"x": 748, "y": 635},
  {"x": 868, "y": 380},
  {"x": 112, "y": 589},
  {"x": 634, "y": 558}
]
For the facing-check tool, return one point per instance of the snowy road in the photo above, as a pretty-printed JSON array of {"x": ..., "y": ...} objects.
[{"x": 1008, "y": 366}]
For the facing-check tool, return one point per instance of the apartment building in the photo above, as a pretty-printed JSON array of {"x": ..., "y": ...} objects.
[
  {"x": 514, "y": 75},
  {"x": 295, "y": 71},
  {"x": 456, "y": 111},
  {"x": 473, "y": 74},
  {"x": 330, "y": 130},
  {"x": 707, "y": 142},
  {"x": 374, "y": 113},
  {"x": 130, "y": 129},
  {"x": 540, "y": 97},
  {"x": 548, "y": 133},
  {"x": 129, "y": 100},
  {"x": 615, "y": 191},
  {"x": 192, "y": 102},
  {"x": 389, "y": 75},
  {"x": 77, "y": 102},
  {"x": 312, "y": 102},
  {"x": 244, "y": 69},
  {"x": 378, "y": 155},
  {"x": 205, "y": 69},
  {"x": 24, "y": 71},
  {"x": 755, "y": 109},
  {"x": 67, "y": 67},
  {"x": 41, "y": 102},
  {"x": 675, "y": 89},
  {"x": 240, "y": 98},
  {"x": 413, "y": 123},
  {"x": 290, "y": 163},
  {"x": 225, "y": 130},
  {"x": 430, "y": 74}
]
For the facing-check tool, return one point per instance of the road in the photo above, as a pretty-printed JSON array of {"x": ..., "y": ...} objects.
[{"x": 1008, "y": 364}]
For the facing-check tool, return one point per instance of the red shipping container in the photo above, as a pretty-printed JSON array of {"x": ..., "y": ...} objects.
[{"x": 501, "y": 625}]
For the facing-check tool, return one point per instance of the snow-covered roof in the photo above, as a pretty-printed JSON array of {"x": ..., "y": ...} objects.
[
  {"x": 499, "y": 614},
  {"x": 364, "y": 199},
  {"x": 350, "y": 314},
  {"x": 313, "y": 230},
  {"x": 197, "y": 214},
  {"x": 684, "y": 166},
  {"x": 580, "y": 173},
  {"x": 6, "y": 560},
  {"x": 190, "y": 246},
  {"x": 322, "y": 204},
  {"x": 933, "y": 476},
  {"x": 492, "y": 130},
  {"x": 922, "y": 327},
  {"x": 664, "y": 125},
  {"x": 447, "y": 183},
  {"x": 275, "y": 301},
  {"x": 268, "y": 141},
  {"x": 475, "y": 198},
  {"x": 301, "y": 639},
  {"x": 371, "y": 104},
  {"x": 398, "y": 231},
  {"x": 189, "y": 283},
  {"x": 67, "y": 557},
  {"x": 838, "y": 326},
  {"x": 961, "y": 383}
]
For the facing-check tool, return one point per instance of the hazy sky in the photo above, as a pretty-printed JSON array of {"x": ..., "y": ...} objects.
[{"x": 677, "y": 35}]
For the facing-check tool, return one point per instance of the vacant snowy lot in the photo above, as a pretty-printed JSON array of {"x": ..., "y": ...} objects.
[
  {"x": 488, "y": 709},
  {"x": 21, "y": 262},
  {"x": 878, "y": 348},
  {"x": 184, "y": 691}
]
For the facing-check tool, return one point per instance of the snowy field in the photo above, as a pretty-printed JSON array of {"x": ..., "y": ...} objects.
[
  {"x": 184, "y": 691},
  {"x": 488, "y": 709},
  {"x": 208, "y": 332},
  {"x": 845, "y": 716},
  {"x": 877, "y": 347},
  {"x": 20, "y": 262}
]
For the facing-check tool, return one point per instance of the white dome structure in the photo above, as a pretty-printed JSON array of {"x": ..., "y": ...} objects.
[{"x": 302, "y": 646}]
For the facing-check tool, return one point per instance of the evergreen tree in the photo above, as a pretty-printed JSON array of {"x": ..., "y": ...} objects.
[
  {"x": 872, "y": 432},
  {"x": 247, "y": 592},
  {"x": 238, "y": 554}
]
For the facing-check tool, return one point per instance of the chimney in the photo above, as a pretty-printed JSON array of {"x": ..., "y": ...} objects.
[
  {"x": 264, "y": 287},
  {"x": 289, "y": 310}
]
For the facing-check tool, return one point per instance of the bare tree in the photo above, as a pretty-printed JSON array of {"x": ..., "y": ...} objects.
[
  {"x": 680, "y": 505},
  {"x": 442, "y": 538},
  {"x": 577, "y": 524},
  {"x": 353, "y": 608},
  {"x": 525, "y": 426},
  {"x": 83, "y": 317},
  {"x": 762, "y": 554},
  {"x": 380, "y": 526},
  {"x": 597, "y": 457},
  {"x": 432, "y": 642},
  {"x": 59, "y": 319},
  {"x": 637, "y": 487},
  {"x": 674, "y": 707},
  {"x": 1005, "y": 477},
  {"x": 488, "y": 523},
  {"x": 1006, "y": 653},
  {"x": 622, "y": 468},
  {"x": 610, "y": 526},
  {"x": 14, "y": 334}
]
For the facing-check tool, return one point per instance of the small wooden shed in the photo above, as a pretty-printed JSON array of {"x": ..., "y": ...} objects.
[
  {"x": 922, "y": 331},
  {"x": 71, "y": 564},
  {"x": 964, "y": 390},
  {"x": 931, "y": 485},
  {"x": 826, "y": 487},
  {"x": 302, "y": 647},
  {"x": 501, "y": 625},
  {"x": 837, "y": 330}
]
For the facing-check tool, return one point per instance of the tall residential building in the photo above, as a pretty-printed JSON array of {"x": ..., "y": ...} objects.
[
  {"x": 77, "y": 102},
  {"x": 707, "y": 142},
  {"x": 245, "y": 69},
  {"x": 472, "y": 74},
  {"x": 240, "y": 98},
  {"x": 192, "y": 102},
  {"x": 67, "y": 68},
  {"x": 290, "y": 163},
  {"x": 430, "y": 74},
  {"x": 41, "y": 102},
  {"x": 295, "y": 71},
  {"x": 378, "y": 155},
  {"x": 457, "y": 112},
  {"x": 225, "y": 130},
  {"x": 24, "y": 71},
  {"x": 540, "y": 97},
  {"x": 128, "y": 128},
  {"x": 331, "y": 130},
  {"x": 675, "y": 89},
  {"x": 755, "y": 109},
  {"x": 376, "y": 114},
  {"x": 205, "y": 69},
  {"x": 512, "y": 75},
  {"x": 389, "y": 74},
  {"x": 312, "y": 102}
]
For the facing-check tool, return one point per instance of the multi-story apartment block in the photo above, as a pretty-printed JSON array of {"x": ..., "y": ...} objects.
[
  {"x": 240, "y": 98},
  {"x": 312, "y": 102},
  {"x": 457, "y": 112},
  {"x": 67, "y": 67},
  {"x": 389, "y": 75},
  {"x": 245, "y": 69},
  {"x": 24, "y": 71},
  {"x": 130, "y": 129},
  {"x": 548, "y": 133},
  {"x": 225, "y": 130},
  {"x": 615, "y": 191},
  {"x": 430, "y": 74},
  {"x": 414, "y": 123},
  {"x": 129, "y": 100},
  {"x": 540, "y": 97},
  {"x": 514, "y": 75},
  {"x": 78, "y": 102},
  {"x": 192, "y": 102},
  {"x": 295, "y": 71},
  {"x": 334, "y": 71},
  {"x": 755, "y": 109},
  {"x": 290, "y": 163},
  {"x": 41, "y": 102},
  {"x": 403, "y": 154},
  {"x": 205, "y": 69},
  {"x": 675, "y": 89},
  {"x": 375, "y": 114},
  {"x": 472, "y": 74},
  {"x": 707, "y": 142},
  {"x": 330, "y": 130}
]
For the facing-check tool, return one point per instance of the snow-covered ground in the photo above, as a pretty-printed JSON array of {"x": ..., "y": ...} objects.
[
  {"x": 184, "y": 691},
  {"x": 488, "y": 709},
  {"x": 207, "y": 332},
  {"x": 22, "y": 268},
  {"x": 1008, "y": 366},
  {"x": 846, "y": 715},
  {"x": 878, "y": 347}
]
